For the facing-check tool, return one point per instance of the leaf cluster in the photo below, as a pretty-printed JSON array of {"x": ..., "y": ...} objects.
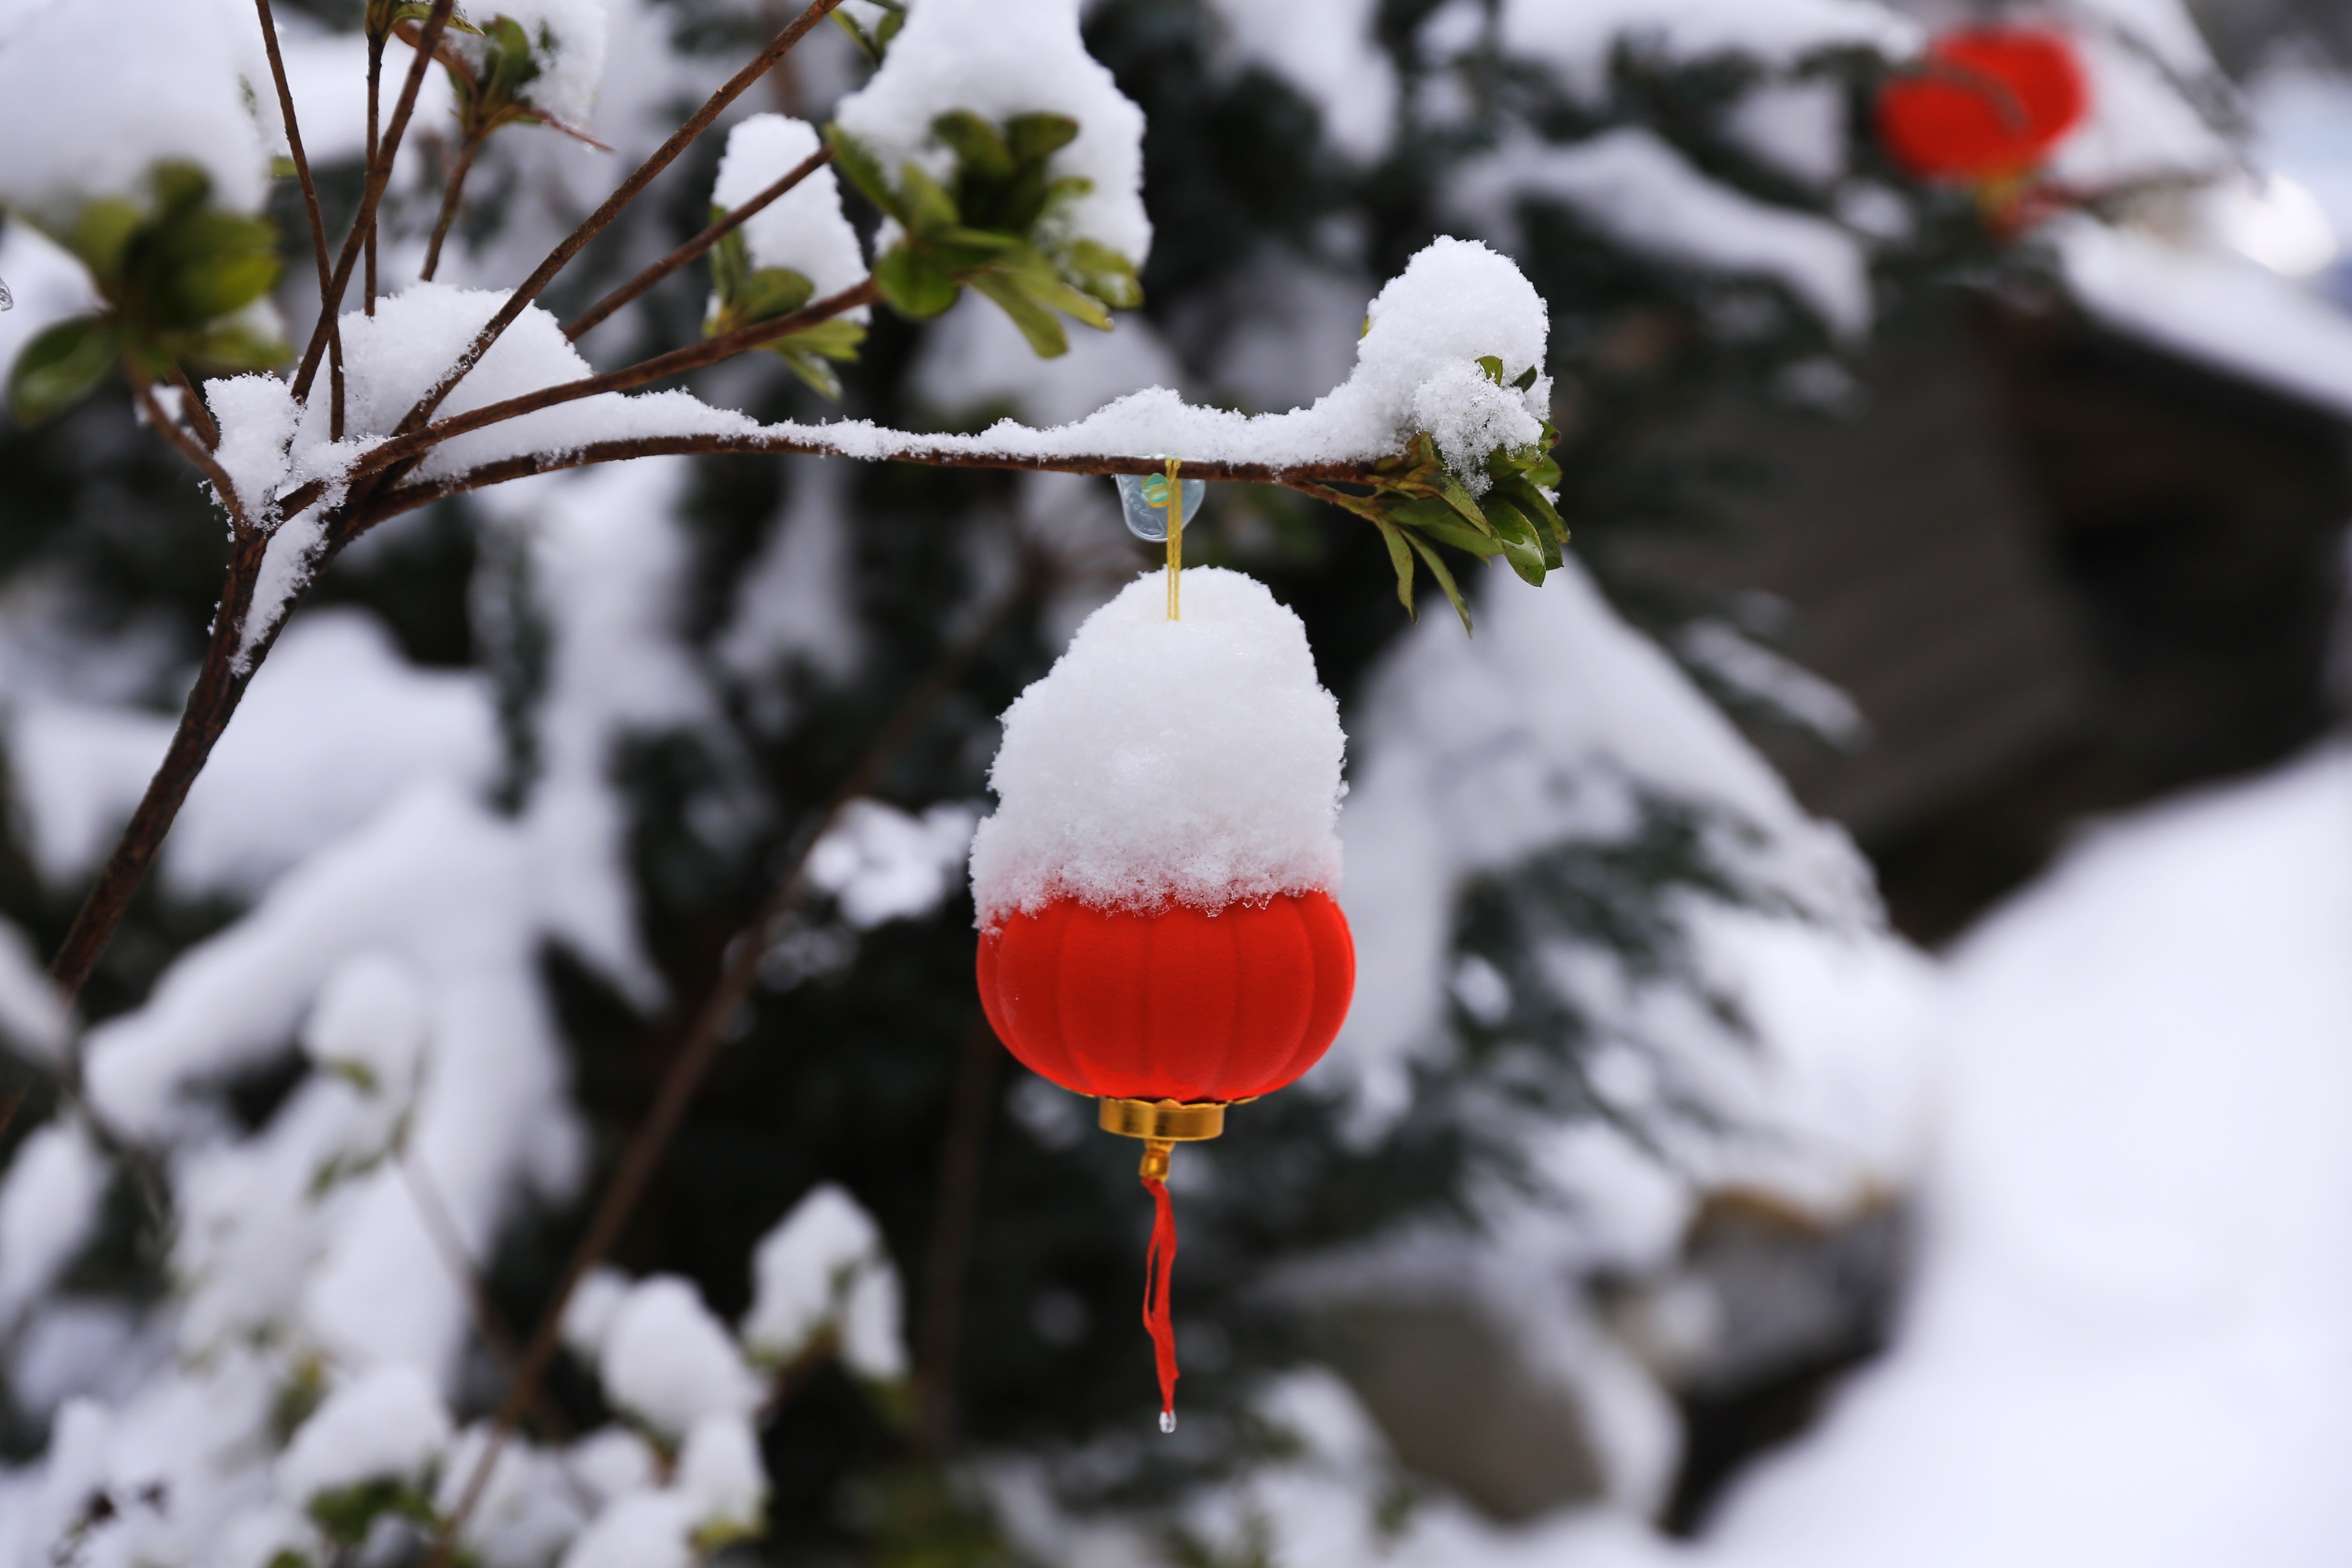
[
  {"x": 1417, "y": 504},
  {"x": 748, "y": 295},
  {"x": 992, "y": 226},
  {"x": 172, "y": 275}
]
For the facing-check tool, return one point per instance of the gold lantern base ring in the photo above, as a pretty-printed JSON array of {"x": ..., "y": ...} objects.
[{"x": 1162, "y": 1124}]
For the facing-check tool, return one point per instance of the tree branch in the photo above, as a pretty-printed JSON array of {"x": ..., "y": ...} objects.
[
  {"x": 400, "y": 448},
  {"x": 142, "y": 390},
  {"x": 597, "y": 221},
  {"x": 310, "y": 210},
  {"x": 595, "y": 315},
  {"x": 709, "y": 1031},
  {"x": 451, "y": 198},
  {"x": 379, "y": 175},
  {"x": 218, "y": 689},
  {"x": 375, "y": 87}
]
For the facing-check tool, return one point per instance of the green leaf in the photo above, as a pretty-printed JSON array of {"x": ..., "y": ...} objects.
[
  {"x": 230, "y": 347},
  {"x": 1524, "y": 495},
  {"x": 1040, "y": 282},
  {"x": 61, "y": 366},
  {"x": 100, "y": 234},
  {"x": 773, "y": 291},
  {"x": 1104, "y": 273},
  {"x": 205, "y": 265},
  {"x": 1518, "y": 536},
  {"x": 1444, "y": 578},
  {"x": 864, "y": 170},
  {"x": 731, "y": 264},
  {"x": 1401, "y": 558},
  {"x": 913, "y": 283},
  {"x": 928, "y": 204},
  {"x": 1037, "y": 324},
  {"x": 979, "y": 150},
  {"x": 1037, "y": 137},
  {"x": 1526, "y": 378},
  {"x": 1439, "y": 521},
  {"x": 1493, "y": 365}
]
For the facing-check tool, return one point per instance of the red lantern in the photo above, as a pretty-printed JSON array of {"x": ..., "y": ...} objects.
[
  {"x": 1168, "y": 1017},
  {"x": 1988, "y": 104}
]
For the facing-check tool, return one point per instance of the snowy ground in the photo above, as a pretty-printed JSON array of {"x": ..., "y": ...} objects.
[{"x": 2129, "y": 1342}]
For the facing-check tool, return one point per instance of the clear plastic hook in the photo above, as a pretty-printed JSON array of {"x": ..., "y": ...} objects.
[{"x": 1143, "y": 498}]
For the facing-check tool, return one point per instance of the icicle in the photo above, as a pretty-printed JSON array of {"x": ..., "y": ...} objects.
[{"x": 1156, "y": 1265}]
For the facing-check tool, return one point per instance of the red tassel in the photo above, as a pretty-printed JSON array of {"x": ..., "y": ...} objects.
[{"x": 1157, "y": 1264}]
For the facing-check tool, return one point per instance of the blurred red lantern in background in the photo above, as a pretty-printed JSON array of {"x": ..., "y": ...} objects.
[
  {"x": 1985, "y": 105},
  {"x": 1168, "y": 1017}
]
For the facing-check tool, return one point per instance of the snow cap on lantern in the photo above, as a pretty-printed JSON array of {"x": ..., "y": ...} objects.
[{"x": 1190, "y": 762}]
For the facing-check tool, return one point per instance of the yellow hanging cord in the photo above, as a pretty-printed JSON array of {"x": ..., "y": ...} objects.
[{"x": 1175, "y": 536}]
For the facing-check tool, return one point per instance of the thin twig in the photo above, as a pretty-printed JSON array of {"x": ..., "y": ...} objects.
[
  {"x": 712, "y": 1022},
  {"x": 451, "y": 198},
  {"x": 379, "y": 175},
  {"x": 441, "y": 1225},
  {"x": 192, "y": 404},
  {"x": 185, "y": 443},
  {"x": 963, "y": 1155},
  {"x": 310, "y": 210},
  {"x": 375, "y": 81},
  {"x": 596, "y": 222},
  {"x": 219, "y": 686},
  {"x": 595, "y": 314}
]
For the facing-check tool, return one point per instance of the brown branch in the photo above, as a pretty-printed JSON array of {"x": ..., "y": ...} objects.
[
  {"x": 142, "y": 389},
  {"x": 375, "y": 82},
  {"x": 192, "y": 404},
  {"x": 400, "y": 448},
  {"x": 597, "y": 221},
  {"x": 310, "y": 210},
  {"x": 711, "y": 1024},
  {"x": 964, "y": 1154},
  {"x": 451, "y": 198},
  {"x": 379, "y": 175},
  {"x": 408, "y": 496},
  {"x": 595, "y": 314},
  {"x": 220, "y": 685},
  {"x": 490, "y": 1323}
]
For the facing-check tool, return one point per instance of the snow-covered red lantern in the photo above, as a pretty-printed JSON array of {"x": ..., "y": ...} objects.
[
  {"x": 1154, "y": 891},
  {"x": 1986, "y": 106}
]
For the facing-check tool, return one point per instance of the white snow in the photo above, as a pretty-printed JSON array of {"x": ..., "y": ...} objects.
[
  {"x": 1000, "y": 59},
  {"x": 1467, "y": 766},
  {"x": 1195, "y": 759},
  {"x": 48, "y": 285},
  {"x": 668, "y": 1361},
  {"x": 719, "y": 1468},
  {"x": 2225, "y": 311},
  {"x": 48, "y": 1204},
  {"x": 2126, "y": 1341},
  {"x": 803, "y": 230},
  {"x": 1639, "y": 191},
  {"x": 139, "y": 82},
  {"x": 386, "y": 1423},
  {"x": 882, "y": 864},
  {"x": 642, "y": 1530},
  {"x": 1576, "y": 39},
  {"x": 1797, "y": 127},
  {"x": 824, "y": 1266}
]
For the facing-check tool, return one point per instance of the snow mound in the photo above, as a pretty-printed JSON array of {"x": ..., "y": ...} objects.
[
  {"x": 139, "y": 82},
  {"x": 803, "y": 229},
  {"x": 998, "y": 58},
  {"x": 388, "y": 1425},
  {"x": 1195, "y": 759},
  {"x": 567, "y": 40}
]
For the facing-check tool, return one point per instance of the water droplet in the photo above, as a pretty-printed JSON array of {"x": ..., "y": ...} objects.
[
  {"x": 1146, "y": 520},
  {"x": 1168, "y": 1421}
]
